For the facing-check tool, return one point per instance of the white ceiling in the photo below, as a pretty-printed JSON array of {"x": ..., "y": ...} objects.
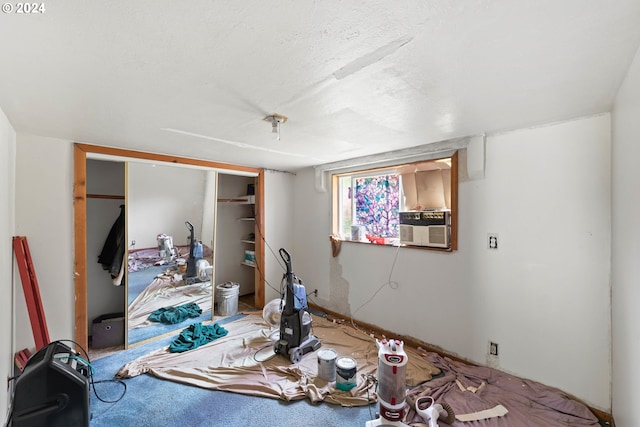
[{"x": 196, "y": 78}]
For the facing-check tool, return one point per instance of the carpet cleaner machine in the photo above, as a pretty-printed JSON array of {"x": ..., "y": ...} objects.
[
  {"x": 392, "y": 402},
  {"x": 295, "y": 339},
  {"x": 197, "y": 268}
]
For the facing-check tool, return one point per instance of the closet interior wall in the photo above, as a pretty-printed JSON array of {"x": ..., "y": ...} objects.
[
  {"x": 105, "y": 195},
  {"x": 234, "y": 231}
]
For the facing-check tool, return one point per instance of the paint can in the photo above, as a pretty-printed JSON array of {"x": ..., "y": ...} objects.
[
  {"x": 226, "y": 298},
  {"x": 327, "y": 364},
  {"x": 346, "y": 368}
]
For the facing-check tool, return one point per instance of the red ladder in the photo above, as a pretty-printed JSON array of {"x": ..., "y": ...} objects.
[{"x": 31, "y": 292}]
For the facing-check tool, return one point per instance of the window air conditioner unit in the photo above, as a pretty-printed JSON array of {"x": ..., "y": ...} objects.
[{"x": 425, "y": 228}]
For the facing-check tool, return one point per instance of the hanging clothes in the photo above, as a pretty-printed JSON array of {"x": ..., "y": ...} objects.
[{"x": 113, "y": 251}]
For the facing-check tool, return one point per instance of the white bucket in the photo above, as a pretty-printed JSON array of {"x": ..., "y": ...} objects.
[
  {"x": 327, "y": 364},
  {"x": 226, "y": 299},
  {"x": 346, "y": 368}
]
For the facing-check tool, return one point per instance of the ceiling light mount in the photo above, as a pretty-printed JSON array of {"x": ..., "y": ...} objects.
[{"x": 275, "y": 120}]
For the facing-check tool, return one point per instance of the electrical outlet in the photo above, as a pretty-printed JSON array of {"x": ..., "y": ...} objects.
[
  {"x": 315, "y": 293},
  {"x": 493, "y": 361},
  {"x": 492, "y": 241},
  {"x": 493, "y": 348},
  {"x": 133, "y": 243}
]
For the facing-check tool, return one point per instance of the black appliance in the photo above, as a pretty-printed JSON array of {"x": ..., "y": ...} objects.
[
  {"x": 296, "y": 339},
  {"x": 53, "y": 390}
]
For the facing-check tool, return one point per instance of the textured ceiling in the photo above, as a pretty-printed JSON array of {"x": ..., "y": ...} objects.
[{"x": 354, "y": 78}]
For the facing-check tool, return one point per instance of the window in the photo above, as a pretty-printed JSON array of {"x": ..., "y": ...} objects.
[{"x": 412, "y": 204}]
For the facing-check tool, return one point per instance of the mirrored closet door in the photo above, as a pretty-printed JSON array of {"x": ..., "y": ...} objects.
[
  {"x": 169, "y": 261},
  {"x": 170, "y": 234}
]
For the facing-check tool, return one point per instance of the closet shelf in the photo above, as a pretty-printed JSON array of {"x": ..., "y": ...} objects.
[
  {"x": 244, "y": 200},
  {"x": 105, "y": 196},
  {"x": 246, "y": 219},
  {"x": 249, "y": 241},
  {"x": 248, "y": 265}
]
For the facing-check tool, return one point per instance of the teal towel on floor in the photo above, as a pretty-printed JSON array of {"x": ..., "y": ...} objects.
[
  {"x": 173, "y": 315},
  {"x": 196, "y": 335}
]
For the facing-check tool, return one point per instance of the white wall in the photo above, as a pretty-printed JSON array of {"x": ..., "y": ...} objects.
[
  {"x": 543, "y": 296},
  {"x": 626, "y": 248},
  {"x": 44, "y": 213},
  {"x": 207, "y": 232},
  {"x": 160, "y": 199},
  {"x": 279, "y": 217},
  {"x": 7, "y": 227}
]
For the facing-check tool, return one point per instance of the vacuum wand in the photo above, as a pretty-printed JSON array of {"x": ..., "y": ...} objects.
[
  {"x": 191, "y": 275},
  {"x": 289, "y": 294},
  {"x": 191, "y": 239}
]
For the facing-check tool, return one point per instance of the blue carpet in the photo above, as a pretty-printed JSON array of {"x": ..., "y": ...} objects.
[
  {"x": 139, "y": 280},
  {"x": 153, "y": 402}
]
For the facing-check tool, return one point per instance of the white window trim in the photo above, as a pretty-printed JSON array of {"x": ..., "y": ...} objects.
[{"x": 474, "y": 144}]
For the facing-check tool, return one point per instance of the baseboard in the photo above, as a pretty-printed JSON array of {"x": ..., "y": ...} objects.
[
  {"x": 417, "y": 344},
  {"x": 603, "y": 416}
]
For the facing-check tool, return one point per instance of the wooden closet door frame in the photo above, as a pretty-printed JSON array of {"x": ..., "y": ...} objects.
[{"x": 80, "y": 220}]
